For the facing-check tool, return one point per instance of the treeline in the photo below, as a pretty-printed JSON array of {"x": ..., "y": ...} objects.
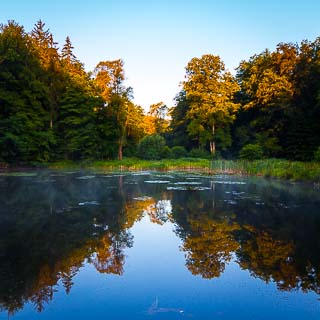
[
  {"x": 52, "y": 109},
  {"x": 271, "y": 108}
]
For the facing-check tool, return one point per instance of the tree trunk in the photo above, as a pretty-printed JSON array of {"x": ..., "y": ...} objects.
[
  {"x": 212, "y": 143},
  {"x": 212, "y": 147},
  {"x": 120, "y": 150}
]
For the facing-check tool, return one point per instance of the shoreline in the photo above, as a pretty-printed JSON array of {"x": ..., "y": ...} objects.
[{"x": 269, "y": 168}]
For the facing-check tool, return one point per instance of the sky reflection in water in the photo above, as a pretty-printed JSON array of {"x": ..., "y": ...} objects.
[{"x": 84, "y": 245}]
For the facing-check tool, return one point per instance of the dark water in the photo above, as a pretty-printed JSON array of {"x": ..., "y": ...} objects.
[{"x": 106, "y": 246}]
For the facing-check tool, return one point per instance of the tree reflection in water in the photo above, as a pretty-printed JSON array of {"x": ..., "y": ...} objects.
[{"x": 46, "y": 237}]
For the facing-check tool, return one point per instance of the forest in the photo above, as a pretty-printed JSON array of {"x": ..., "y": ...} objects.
[{"x": 52, "y": 109}]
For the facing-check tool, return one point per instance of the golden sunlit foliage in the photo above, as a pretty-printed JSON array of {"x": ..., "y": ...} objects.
[
  {"x": 209, "y": 246},
  {"x": 210, "y": 90}
]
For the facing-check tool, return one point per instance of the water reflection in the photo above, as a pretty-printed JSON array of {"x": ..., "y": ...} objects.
[{"x": 52, "y": 226}]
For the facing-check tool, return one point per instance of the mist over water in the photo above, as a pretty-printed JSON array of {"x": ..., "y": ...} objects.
[{"x": 157, "y": 246}]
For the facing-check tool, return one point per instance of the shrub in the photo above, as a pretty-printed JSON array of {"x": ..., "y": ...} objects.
[
  {"x": 199, "y": 153},
  {"x": 150, "y": 147},
  {"x": 166, "y": 152},
  {"x": 317, "y": 154},
  {"x": 251, "y": 152},
  {"x": 178, "y": 152}
]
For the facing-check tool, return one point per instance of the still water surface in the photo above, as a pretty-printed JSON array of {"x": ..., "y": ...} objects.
[{"x": 79, "y": 245}]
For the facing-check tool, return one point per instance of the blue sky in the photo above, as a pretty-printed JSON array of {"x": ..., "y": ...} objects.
[{"x": 156, "y": 39}]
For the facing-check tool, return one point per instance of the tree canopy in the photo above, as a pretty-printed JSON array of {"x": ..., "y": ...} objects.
[{"x": 51, "y": 108}]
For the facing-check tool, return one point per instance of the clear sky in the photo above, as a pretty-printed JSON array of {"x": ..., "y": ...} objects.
[{"x": 156, "y": 39}]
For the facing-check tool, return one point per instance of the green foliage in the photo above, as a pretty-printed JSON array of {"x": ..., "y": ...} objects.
[
  {"x": 24, "y": 122},
  {"x": 277, "y": 168},
  {"x": 178, "y": 152},
  {"x": 210, "y": 90},
  {"x": 279, "y": 97},
  {"x": 52, "y": 109},
  {"x": 317, "y": 154},
  {"x": 166, "y": 153},
  {"x": 77, "y": 132},
  {"x": 178, "y": 129},
  {"x": 251, "y": 152},
  {"x": 199, "y": 153},
  {"x": 150, "y": 147}
]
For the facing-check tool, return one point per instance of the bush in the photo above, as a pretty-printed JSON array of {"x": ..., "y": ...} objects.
[
  {"x": 317, "y": 154},
  {"x": 199, "y": 153},
  {"x": 178, "y": 152},
  {"x": 166, "y": 152},
  {"x": 150, "y": 147},
  {"x": 251, "y": 152}
]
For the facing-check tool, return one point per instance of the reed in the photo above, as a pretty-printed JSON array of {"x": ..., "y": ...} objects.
[{"x": 277, "y": 168}]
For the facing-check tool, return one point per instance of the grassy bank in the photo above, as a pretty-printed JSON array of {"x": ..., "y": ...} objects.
[
  {"x": 132, "y": 164},
  {"x": 277, "y": 168}
]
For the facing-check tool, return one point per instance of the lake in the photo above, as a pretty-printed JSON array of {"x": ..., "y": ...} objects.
[{"x": 150, "y": 245}]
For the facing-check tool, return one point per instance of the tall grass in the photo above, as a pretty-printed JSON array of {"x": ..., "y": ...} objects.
[
  {"x": 278, "y": 168},
  {"x": 133, "y": 164}
]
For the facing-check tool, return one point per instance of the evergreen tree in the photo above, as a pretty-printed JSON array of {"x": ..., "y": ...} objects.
[
  {"x": 77, "y": 132},
  {"x": 47, "y": 51},
  {"x": 24, "y": 133}
]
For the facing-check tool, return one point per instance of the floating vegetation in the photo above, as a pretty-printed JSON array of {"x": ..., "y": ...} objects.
[
  {"x": 89, "y": 203},
  {"x": 85, "y": 177},
  {"x": 168, "y": 176},
  {"x": 141, "y": 173},
  {"x": 236, "y": 193},
  {"x": 18, "y": 174},
  {"x": 188, "y": 188},
  {"x": 228, "y": 182},
  {"x": 144, "y": 198},
  {"x": 67, "y": 209},
  {"x": 157, "y": 181},
  {"x": 186, "y": 183},
  {"x": 230, "y": 201},
  {"x": 44, "y": 181}
]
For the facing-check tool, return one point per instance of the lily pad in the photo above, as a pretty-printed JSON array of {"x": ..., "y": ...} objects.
[
  {"x": 144, "y": 198},
  {"x": 157, "y": 181},
  {"x": 187, "y": 183},
  {"x": 228, "y": 182},
  {"x": 19, "y": 174},
  {"x": 89, "y": 203},
  {"x": 188, "y": 188},
  {"x": 85, "y": 177}
]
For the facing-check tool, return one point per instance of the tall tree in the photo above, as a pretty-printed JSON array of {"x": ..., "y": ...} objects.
[
  {"x": 210, "y": 90},
  {"x": 178, "y": 129},
  {"x": 109, "y": 77},
  {"x": 24, "y": 133},
  {"x": 159, "y": 112},
  {"x": 71, "y": 65},
  {"x": 47, "y": 51},
  {"x": 77, "y": 132}
]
